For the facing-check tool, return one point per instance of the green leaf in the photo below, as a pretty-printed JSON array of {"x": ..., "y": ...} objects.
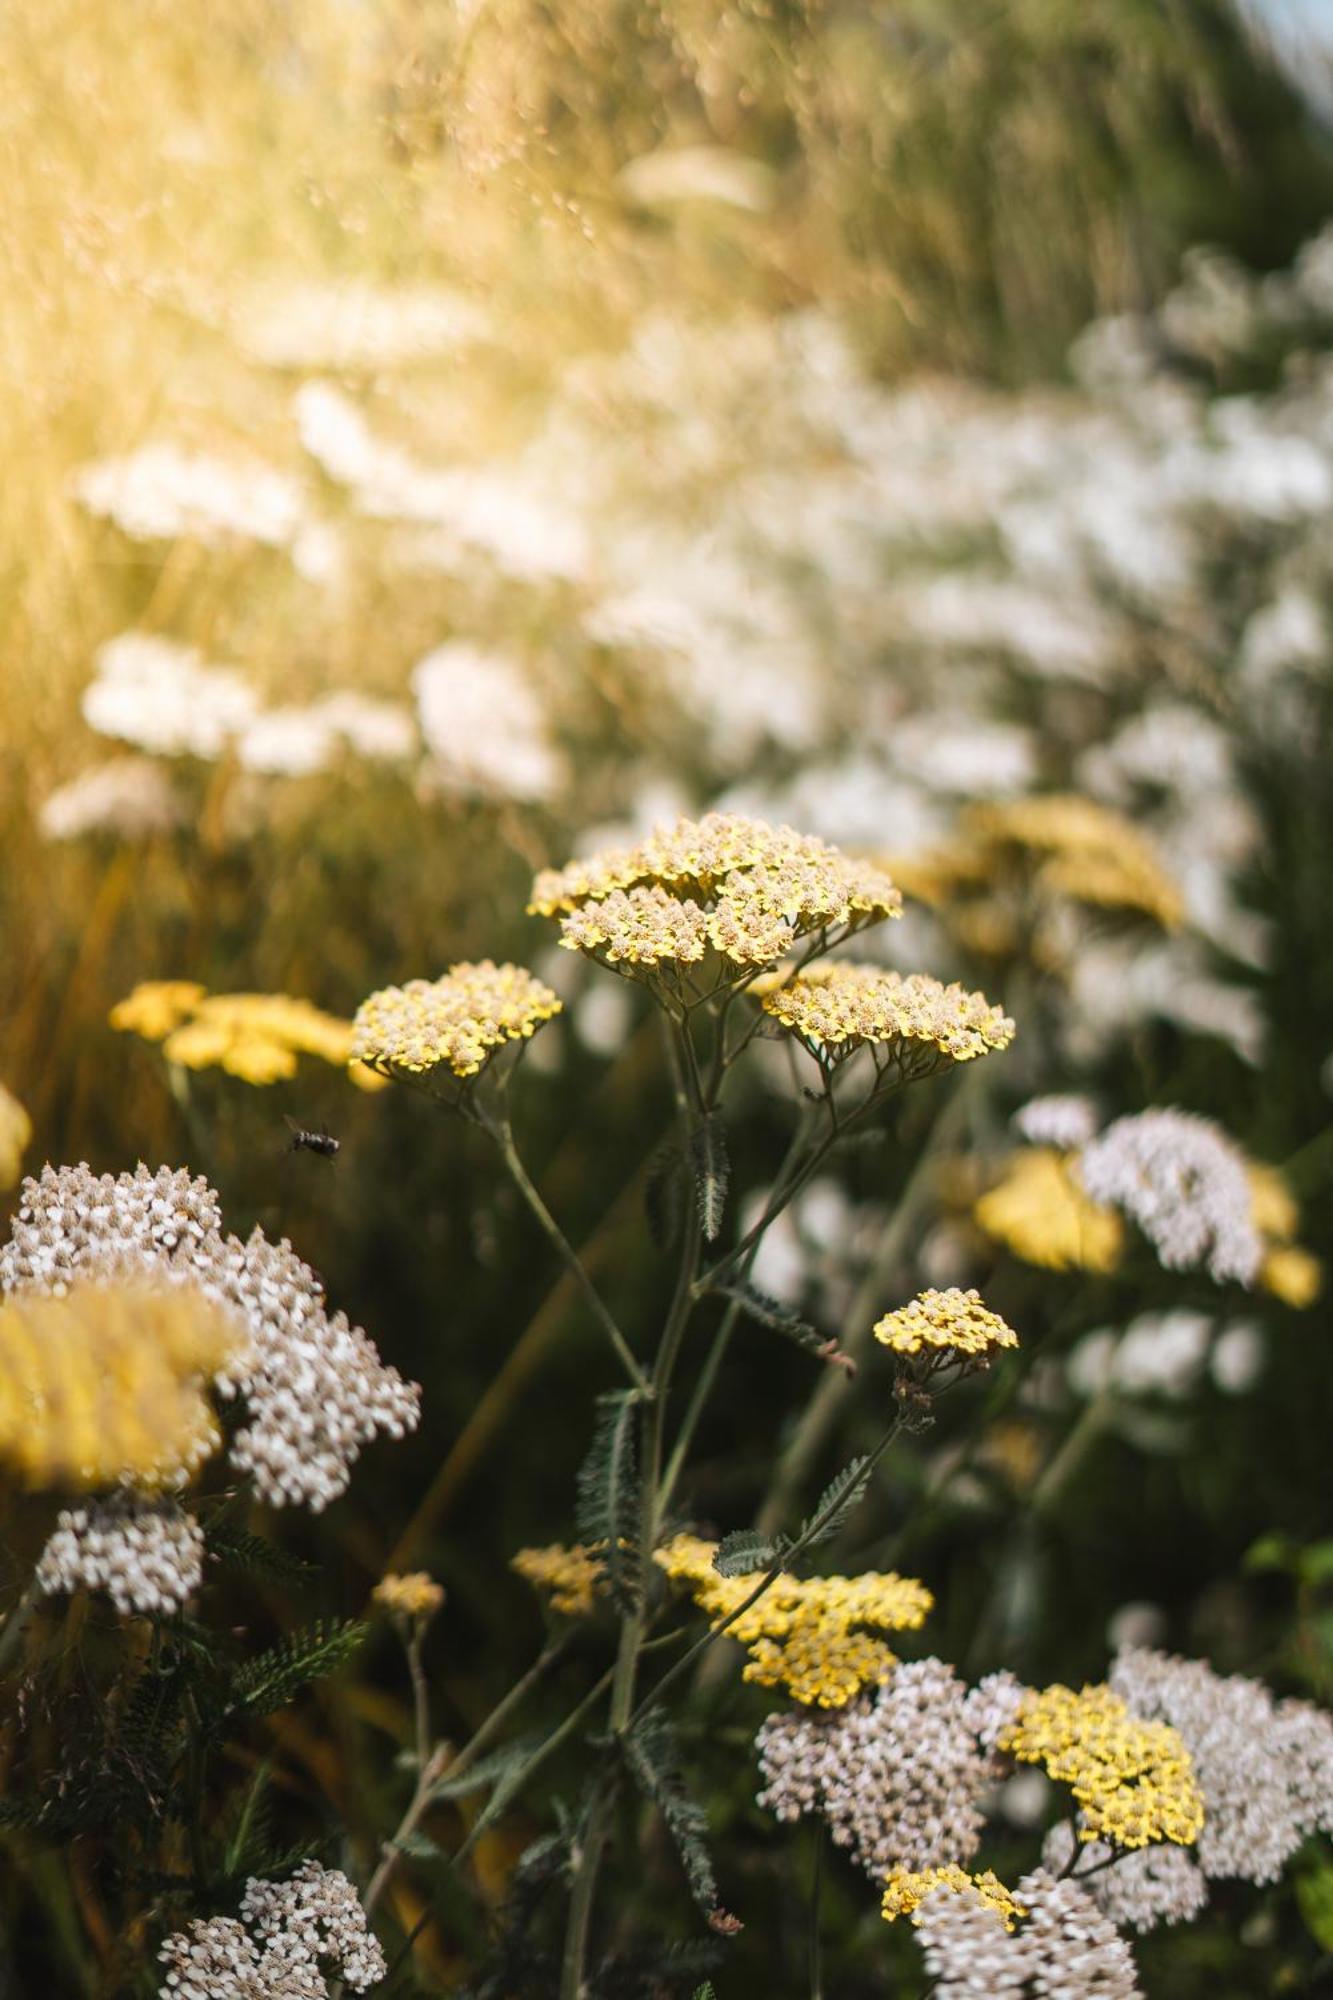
[
  {"x": 746, "y": 1550},
  {"x": 839, "y": 1500},
  {"x": 1314, "y": 1894},
  {"x": 487, "y": 1770},
  {"x": 419, "y": 1846},
  {"x": 1271, "y": 1552},
  {"x": 711, "y": 1162},
  {"x": 608, "y": 1494},
  {"x": 777, "y": 1317},
  {"x": 228, "y": 1542},
  {"x": 651, "y": 1753},
  {"x": 272, "y": 1678}
]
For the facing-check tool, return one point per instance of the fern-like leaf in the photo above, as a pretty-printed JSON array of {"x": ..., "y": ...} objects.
[
  {"x": 492, "y": 1770},
  {"x": 711, "y": 1163},
  {"x": 745, "y": 1550},
  {"x": 229, "y": 1543},
  {"x": 777, "y": 1317},
  {"x": 839, "y": 1500},
  {"x": 650, "y": 1751},
  {"x": 272, "y": 1678},
  {"x": 608, "y": 1494}
]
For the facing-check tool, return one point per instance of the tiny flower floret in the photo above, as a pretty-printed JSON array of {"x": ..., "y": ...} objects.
[
  {"x": 905, "y": 1892},
  {"x": 950, "y": 1321},
  {"x": 575, "y": 1576},
  {"x": 459, "y": 1020},
  {"x": 839, "y": 1006},
  {"x": 415, "y": 1595},
  {"x": 1133, "y": 1780}
]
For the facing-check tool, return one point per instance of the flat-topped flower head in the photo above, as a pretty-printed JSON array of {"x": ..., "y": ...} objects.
[
  {"x": 1185, "y": 1184},
  {"x": 838, "y": 1007},
  {"x": 905, "y": 1892},
  {"x": 951, "y": 1322},
  {"x": 813, "y": 1636},
  {"x": 736, "y": 886},
  {"x": 412, "y": 1596},
  {"x": 108, "y": 1382},
  {"x": 575, "y": 1577},
  {"x": 1041, "y": 1211},
  {"x": 458, "y": 1021},
  {"x": 1133, "y": 1780},
  {"x": 254, "y": 1036}
]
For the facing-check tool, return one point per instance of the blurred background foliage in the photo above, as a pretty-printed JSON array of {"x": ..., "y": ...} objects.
[{"x": 683, "y": 266}]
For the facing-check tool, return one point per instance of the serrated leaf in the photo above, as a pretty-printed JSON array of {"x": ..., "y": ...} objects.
[
  {"x": 229, "y": 1543},
  {"x": 607, "y": 1513},
  {"x": 666, "y": 1194},
  {"x": 773, "y": 1314},
  {"x": 651, "y": 1753},
  {"x": 419, "y": 1846},
  {"x": 839, "y": 1500},
  {"x": 745, "y": 1550},
  {"x": 711, "y": 1163},
  {"x": 272, "y": 1678},
  {"x": 487, "y": 1770}
]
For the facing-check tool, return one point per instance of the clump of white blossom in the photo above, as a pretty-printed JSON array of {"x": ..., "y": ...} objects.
[
  {"x": 290, "y": 1935},
  {"x": 314, "y": 1387},
  {"x": 1184, "y": 1183},
  {"x": 1137, "y": 1888},
  {"x": 147, "y": 1555},
  {"x": 165, "y": 491},
  {"x": 1066, "y": 1121},
  {"x": 1265, "y": 1766},
  {"x": 1064, "y": 1948},
  {"x": 127, "y": 796},
  {"x": 163, "y": 697}
]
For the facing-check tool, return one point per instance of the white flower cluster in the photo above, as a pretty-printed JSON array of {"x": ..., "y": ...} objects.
[
  {"x": 1137, "y": 1888},
  {"x": 289, "y": 1933},
  {"x": 1184, "y": 1183},
  {"x": 1265, "y": 1766},
  {"x": 1066, "y": 1122},
  {"x": 1064, "y": 1948},
  {"x": 162, "y": 492},
  {"x": 314, "y": 1386},
  {"x": 897, "y": 1775},
  {"x": 127, "y": 796},
  {"x": 484, "y": 724},
  {"x": 163, "y": 697},
  {"x": 147, "y": 1555}
]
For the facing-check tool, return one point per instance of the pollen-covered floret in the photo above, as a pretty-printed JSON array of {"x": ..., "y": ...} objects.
[
  {"x": 575, "y": 1577},
  {"x": 838, "y": 1006},
  {"x": 459, "y": 1020},
  {"x": 1134, "y": 1781},
  {"x": 906, "y": 1891},
  {"x": 952, "y": 1321},
  {"x": 414, "y": 1595}
]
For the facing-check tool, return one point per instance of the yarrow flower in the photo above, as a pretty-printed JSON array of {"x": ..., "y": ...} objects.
[
  {"x": 907, "y": 1890},
  {"x": 254, "y": 1036},
  {"x": 415, "y": 1595},
  {"x": 15, "y": 1136},
  {"x": 946, "y": 1324},
  {"x": 835, "y": 1008},
  {"x": 108, "y": 1382},
  {"x": 1160, "y": 1884},
  {"x": 1133, "y": 1780},
  {"x": 736, "y": 886},
  {"x": 1180, "y": 1178},
  {"x": 147, "y": 1555},
  {"x": 289, "y": 1934},
  {"x": 897, "y": 1774},
  {"x": 1057, "y": 1943},
  {"x": 575, "y": 1576},
  {"x": 1265, "y": 1766},
  {"x": 1065, "y": 1122},
  {"x": 459, "y": 1020},
  {"x": 1041, "y": 1211},
  {"x": 314, "y": 1388},
  {"x": 807, "y": 1635}
]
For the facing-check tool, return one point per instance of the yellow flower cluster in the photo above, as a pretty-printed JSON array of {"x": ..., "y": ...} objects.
[
  {"x": 1041, "y": 1211},
  {"x": 574, "y": 1576},
  {"x": 254, "y": 1036},
  {"x": 108, "y": 1383},
  {"x": 804, "y": 1634},
  {"x": 744, "y": 888},
  {"x": 1091, "y": 854},
  {"x": 415, "y": 1595},
  {"x": 460, "y": 1019},
  {"x": 1289, "y": 1272},
  {"x": 840, "y": 1006},
  {"x": 1133, "y": 1780},
  {"x": 906, "y": 1892},
  {"x": 952, "y": 1321},
  {"x": 15, "y": 1137}
]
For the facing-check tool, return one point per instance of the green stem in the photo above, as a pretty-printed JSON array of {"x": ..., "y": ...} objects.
[{"x": 504, "y": 1139}]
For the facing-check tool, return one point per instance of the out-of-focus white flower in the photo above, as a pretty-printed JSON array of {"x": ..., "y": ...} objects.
[
  {"x": 1289, "y": 632},
  {"x": 129, "y": 796},
  {"x": 1171, "y": 745},
  {"x": 1025, "y": 1799},
  {"x": 160, "y": 695},
  {"x": 1066, "y": 1121},
  {"x": 349, "y": 324},
  {"x": 603, "y": 1018},
  {"x": 1237, "y": 1361},
  {"x": 964, "y": 756},
  {"x": 374, "y": 729},
  {"x": 780, "y": 1266},
  {"x": 1185, "y": 1184},
  {"x": 484, "y": 723},
  {"x": 698, "y": 173},
  {"x": 1162, "y": 1354},
  {"x": 974, "y": 611},
  {"x": 286, "y": 742},
  {"x": 1135, "y": 1624},
  {"x": 163, "y": 492}
]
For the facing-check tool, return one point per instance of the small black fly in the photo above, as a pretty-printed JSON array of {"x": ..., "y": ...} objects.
[{"x": 320, "y": 1142}]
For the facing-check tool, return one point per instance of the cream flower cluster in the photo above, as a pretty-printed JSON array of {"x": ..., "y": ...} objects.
[
  {"x": 289, "y": 1934},
  {"x": 147, "y": 1555},
  {"x": 839, "y": 1006},
  {"x": 459, "y": 1020}
]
